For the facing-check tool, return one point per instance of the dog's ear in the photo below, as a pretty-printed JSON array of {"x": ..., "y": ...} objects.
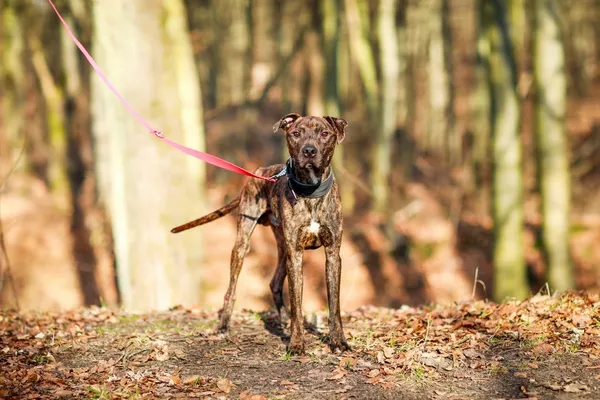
[
  {"x": 285, "y": 122},
  {"x": 339, "y": 125}
]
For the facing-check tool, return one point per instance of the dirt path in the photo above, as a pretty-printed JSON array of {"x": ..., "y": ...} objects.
[{"x": 545, "y": 348}]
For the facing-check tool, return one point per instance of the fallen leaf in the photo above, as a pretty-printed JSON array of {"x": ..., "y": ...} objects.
[
  {"x": 388, "y": 352},
  {"x": 336, "y": 374},
  {"x": 224, "y": 385},
  {"x": 553, "y": 386},
  {"x": 245, "y": 395},
  {"x": 576, "y": 388},
  {"x": 435, "y": 361},
  {"x": 470, "y": 353},
  {"x": 521, "y": 375},
  {"x": 287, "y": 383},
  {"x": 581, "y": 320},
  {"x": 543, "y": 348},
  {"x": 347, "y": 362},
  {"x": 191, "y": 380}
]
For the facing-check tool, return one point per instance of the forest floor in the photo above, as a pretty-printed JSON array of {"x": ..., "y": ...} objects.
[{"x": 547, "y": 347}]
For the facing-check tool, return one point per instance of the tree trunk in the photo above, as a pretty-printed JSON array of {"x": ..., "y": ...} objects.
[
  {"x": 331, "y": 22},
  {"x": 478, "y": 148},
  {"x": 263, "y": 45},
  {"x": 362, "y": 53},
  {"x": 55, "y": 120},
  {"x": 518, "y": 27},
  {"x": 580, "y": 38},
  {"x": 145, "y": 184},
  {"x": 389, "y": 63},
  {"x": 188, "y": 88},
  {"x": 12, "y": 79},
  {"x": 441, "y": 114},
  {"x": 293, "y": 16},
  {"x": 405, "y": 153},
  {"x": 552, "y": 159},
  {"x": 233, "y": 51},
  {"x": 481, "y": 101},
  {"x": 79, "y": 165},
  {"x": 510, "y": 278},
  {"x": 315, "y": 66}
]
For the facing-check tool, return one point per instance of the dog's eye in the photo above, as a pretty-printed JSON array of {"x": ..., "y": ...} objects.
[
  {"x": 296, "y": 133},
  {"x": 324, "y": 134}
]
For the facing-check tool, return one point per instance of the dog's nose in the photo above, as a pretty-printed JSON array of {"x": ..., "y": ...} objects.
[{"x": 309, "y": 151}]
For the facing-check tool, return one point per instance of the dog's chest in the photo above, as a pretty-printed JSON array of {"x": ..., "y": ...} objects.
[
  {"x": 312, "y": 228},
  {"x": 310, "y": 237}
]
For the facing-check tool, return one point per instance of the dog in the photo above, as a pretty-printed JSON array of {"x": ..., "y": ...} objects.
[{"x": 304, "y": 211}]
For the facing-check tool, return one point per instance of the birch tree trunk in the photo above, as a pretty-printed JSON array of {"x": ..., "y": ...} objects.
[
  {"x": 510, "y": 279},
  {"x": 143, "y": 46},
  {"x": 552, "y": 159},
  {"x": 390, "y": 66}
]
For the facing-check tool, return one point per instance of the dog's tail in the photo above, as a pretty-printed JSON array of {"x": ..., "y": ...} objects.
[{"x": 226, "y": 209}]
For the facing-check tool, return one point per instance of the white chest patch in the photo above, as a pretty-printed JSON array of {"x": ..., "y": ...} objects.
[{"x": 314, "y": 227}]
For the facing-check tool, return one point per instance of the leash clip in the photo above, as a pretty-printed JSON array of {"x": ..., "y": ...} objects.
[
  {"x": 158, "y": 134},
  {"x": 279, "y": 174}
]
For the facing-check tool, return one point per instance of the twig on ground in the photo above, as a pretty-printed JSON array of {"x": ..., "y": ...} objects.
[
  {"x": 234, "y": 343},
  {"x": 475, "y": 283},
  {"x": 125, "y": 356},
  {"x": 426, "y": 333}
]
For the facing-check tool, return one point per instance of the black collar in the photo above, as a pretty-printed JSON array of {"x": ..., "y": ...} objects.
[{"x": 319, "y": 189}]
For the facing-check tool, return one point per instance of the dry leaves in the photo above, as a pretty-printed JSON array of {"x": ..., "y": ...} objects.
[
  {"x": 434, "y": 339},
  {"x": 224, "y": 385},
  {"x": 389, "y": 345}
]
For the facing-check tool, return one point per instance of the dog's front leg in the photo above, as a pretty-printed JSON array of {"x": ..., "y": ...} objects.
[
  {"x": 294, "y": 273},
  {"x": 333, "y": 267}
]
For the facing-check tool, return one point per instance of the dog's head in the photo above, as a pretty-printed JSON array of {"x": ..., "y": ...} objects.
[{"x": 311, "y": 141}]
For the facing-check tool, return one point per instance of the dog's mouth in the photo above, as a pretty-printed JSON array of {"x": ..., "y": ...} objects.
[
  {"x": 309, "y": 164},
  {"x": 308, "y": 172}
]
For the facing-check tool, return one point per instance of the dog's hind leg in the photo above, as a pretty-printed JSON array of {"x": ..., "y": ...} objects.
[
  {"x": 279, "y": 276},
  {"x": 252, "y": 206}
]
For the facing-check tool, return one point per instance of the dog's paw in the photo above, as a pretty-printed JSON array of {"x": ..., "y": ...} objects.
[
  {"x": 339, "y": 345},
  {"x": 296, "y": 348}
]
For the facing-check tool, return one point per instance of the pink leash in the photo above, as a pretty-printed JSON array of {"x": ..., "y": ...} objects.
[{"x": 214, "y": 160}]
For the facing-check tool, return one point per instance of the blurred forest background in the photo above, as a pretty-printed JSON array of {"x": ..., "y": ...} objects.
[{"x": 471, "y": 166}]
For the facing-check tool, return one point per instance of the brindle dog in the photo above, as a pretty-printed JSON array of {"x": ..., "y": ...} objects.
[{"x": 304, "y": 211}]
